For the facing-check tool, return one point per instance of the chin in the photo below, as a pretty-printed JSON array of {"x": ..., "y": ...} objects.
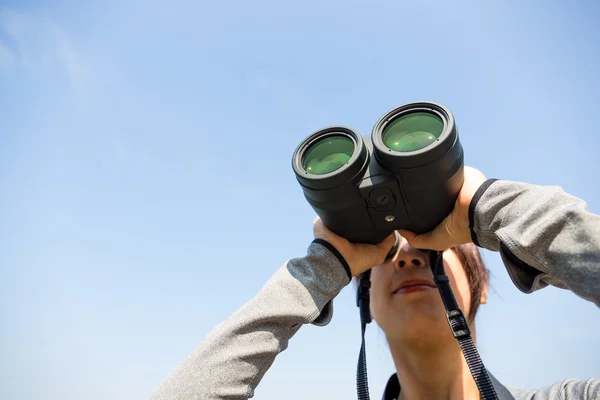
[
  {"x": 417, "y": 320},
  {"x": 421, "y": 332}
]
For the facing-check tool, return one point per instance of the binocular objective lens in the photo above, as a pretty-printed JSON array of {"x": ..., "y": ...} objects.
[
  {"x": 328, "y": 154},
  {"x": 413, "y": 131}
]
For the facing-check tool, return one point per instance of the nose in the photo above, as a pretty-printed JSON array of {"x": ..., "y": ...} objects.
[{"x": 409, "y": 256}]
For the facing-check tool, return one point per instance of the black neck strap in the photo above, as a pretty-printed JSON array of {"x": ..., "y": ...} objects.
[
  {"x": 456, "y": 320},
  {"x": 362, "y": 301}
]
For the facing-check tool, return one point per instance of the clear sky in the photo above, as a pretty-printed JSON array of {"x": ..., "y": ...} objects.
[{"x": 146, "y": 189}]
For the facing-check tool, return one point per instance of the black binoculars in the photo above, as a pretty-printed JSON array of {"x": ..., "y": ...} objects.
[{"x": 407, "y": 175}]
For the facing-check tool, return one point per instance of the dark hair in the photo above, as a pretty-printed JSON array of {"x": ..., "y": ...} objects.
[{"x": 477, "y": 273}]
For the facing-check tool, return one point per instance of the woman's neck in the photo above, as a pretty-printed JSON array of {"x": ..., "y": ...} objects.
[{"x": 432, "y": 370}]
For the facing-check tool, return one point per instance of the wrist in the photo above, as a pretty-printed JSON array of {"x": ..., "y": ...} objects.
[
  {"x": 473, "y": 205},
  {"x": 337, "y": 255}
]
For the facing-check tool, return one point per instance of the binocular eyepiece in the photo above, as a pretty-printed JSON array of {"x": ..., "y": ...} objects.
[{"x": 405, "y": 175}]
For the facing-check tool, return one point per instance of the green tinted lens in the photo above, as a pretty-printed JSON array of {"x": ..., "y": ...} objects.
[
  {"x": 413, "y": 131},
  {"x": 328, "y": 154}
]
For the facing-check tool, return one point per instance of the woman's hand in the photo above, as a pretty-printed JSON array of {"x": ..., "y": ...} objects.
[
  {"x": 454, "y": 229},
  {"x": 359, "y": 256}
]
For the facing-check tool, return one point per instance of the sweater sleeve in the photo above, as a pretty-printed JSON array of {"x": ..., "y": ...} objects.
[
  {"x": 231, "y": 360},
  {"x": 569, "y": 389},
  {"x": 544, "y": 235}
]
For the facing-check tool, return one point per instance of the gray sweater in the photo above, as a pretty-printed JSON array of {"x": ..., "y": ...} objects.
[{"x": 544, "y": 236}]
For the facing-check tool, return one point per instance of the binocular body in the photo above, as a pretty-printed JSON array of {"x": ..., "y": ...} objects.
[{"x": 405, "y": 175}]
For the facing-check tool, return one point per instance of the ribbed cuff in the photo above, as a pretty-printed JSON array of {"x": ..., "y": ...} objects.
[
  {"x": 337, "y": 255},
  {"x": 484, "y": 186}
]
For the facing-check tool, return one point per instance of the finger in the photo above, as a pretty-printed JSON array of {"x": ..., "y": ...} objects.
[
  {"x": 382, "y": 250},
  {"x": 374, "y": 254},
  {"x": 392, "y": 249},
  {"x": 390, "y": 241},
  {"x": 425, "y": 241},
  {"x": 437, "y": 239},
  {"x": 422, "y": 241}
]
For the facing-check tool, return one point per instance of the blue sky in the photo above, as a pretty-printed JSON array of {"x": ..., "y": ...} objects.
[{"x": 146, "y": 189}]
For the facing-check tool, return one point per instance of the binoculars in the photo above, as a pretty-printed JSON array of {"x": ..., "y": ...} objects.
[{"x": 405, "y": 175}]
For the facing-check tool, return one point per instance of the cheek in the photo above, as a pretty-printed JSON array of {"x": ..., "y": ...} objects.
[{"x": 378, "y": 300}]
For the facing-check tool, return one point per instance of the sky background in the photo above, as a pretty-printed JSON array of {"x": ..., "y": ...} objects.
[{"x": 146, "y": 189}]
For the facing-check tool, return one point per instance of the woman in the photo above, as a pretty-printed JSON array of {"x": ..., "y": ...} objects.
[
  {"x": 405, "y": 303},
  {"x": 544, "y": 236}
]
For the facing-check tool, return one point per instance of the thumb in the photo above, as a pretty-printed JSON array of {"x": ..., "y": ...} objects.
[
  {"x": 389, "y": 246},
  {"x": 438, "y": 239},
  {"x": 379, "y": 252},
  {"x": 370, "y": 255},
  {"x": 389, "y": 242}
]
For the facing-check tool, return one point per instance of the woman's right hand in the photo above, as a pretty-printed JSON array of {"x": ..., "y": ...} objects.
[
  {"x": 359, "y": 256},
  {"x": 454, "y": 230}
]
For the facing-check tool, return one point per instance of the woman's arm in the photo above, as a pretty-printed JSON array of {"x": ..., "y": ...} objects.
[
  {"x": 569, "y": 389},
  {"x": 230, "y": 362},
  {"x": 544, "y": 235}
]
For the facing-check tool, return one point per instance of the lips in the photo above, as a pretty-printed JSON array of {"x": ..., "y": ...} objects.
[{"x": 413, "y": 285}]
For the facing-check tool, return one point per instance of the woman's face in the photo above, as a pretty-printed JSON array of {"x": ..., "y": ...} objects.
[{"x": 405, "y": 302}]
